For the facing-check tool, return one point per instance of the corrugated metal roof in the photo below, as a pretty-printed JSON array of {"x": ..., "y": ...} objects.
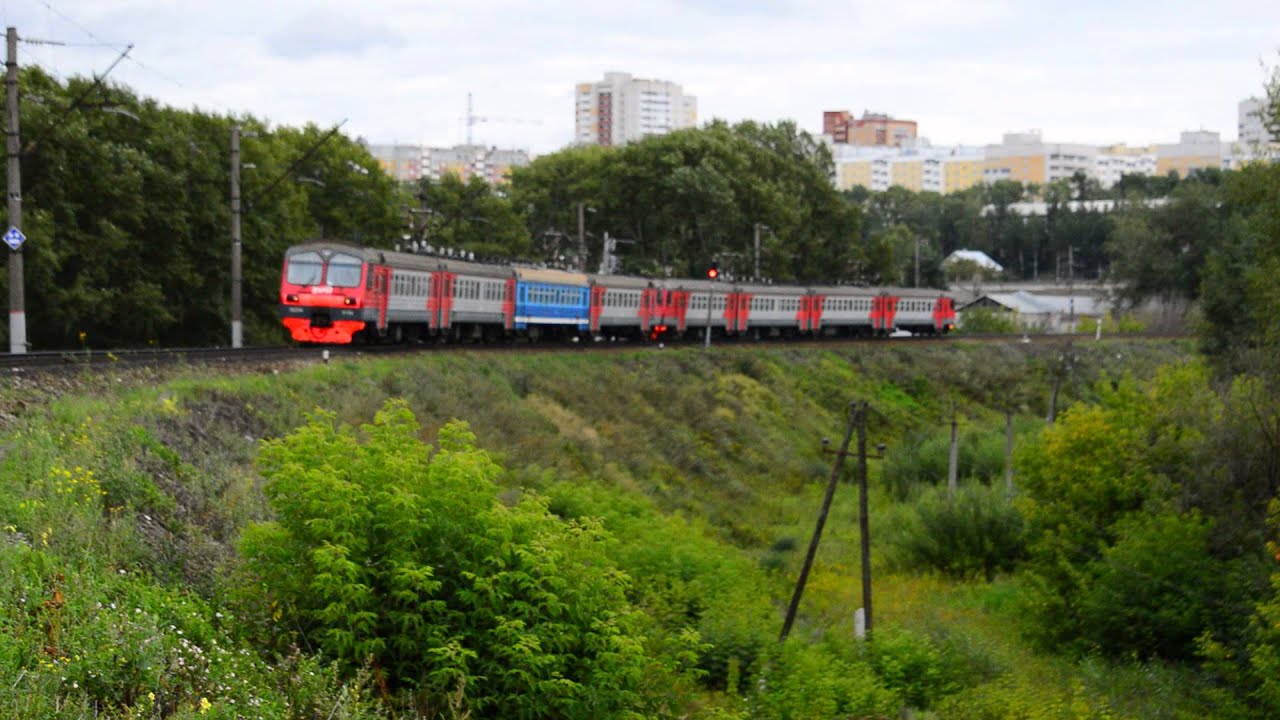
[
  {"x": 977, "y": 256},
  {"x": 1025, "y": 303}
]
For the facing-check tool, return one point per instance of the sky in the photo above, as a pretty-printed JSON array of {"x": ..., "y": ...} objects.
[{"x": 400, "y": 71}]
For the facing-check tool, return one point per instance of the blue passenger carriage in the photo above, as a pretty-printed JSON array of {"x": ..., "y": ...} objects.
[{"x": 551, "y": 302}]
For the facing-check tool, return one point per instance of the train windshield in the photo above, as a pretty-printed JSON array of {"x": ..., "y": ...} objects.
[
  {"x": 344, "y": 271},
  {"x": 304, "y": 269}
]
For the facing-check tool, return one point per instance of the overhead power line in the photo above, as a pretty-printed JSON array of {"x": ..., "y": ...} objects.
[{"x": 301, "y": 159}]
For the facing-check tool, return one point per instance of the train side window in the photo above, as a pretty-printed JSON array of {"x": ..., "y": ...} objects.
[{"x": 304, "y": 269}]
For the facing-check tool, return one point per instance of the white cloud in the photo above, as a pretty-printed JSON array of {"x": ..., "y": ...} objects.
[{"x": 400, "y": 70}]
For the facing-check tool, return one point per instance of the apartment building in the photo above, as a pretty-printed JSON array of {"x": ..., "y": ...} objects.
[
  {"x": 872, "y": 129},
  {"x": 402, "y": 162},
  {"x": 466, "y": 161},
  {"x": 919, "y": 168},
  {"x": 1195, "y": 150},
  {"x": 621, "y": 109},
  {"x": 1115, "y": 161},
  {"x": 1256, "y": 142},
  {"x": 1025, "y": 157}
]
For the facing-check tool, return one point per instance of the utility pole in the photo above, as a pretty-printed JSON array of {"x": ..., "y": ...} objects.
[
  {"x": 1008, "y": 450},
  {"x": 755, "y": 272},
  {"x": 14, "y": 238},
  {"x": 917, "y": 284},
  {"x": 706, "y": 337},
  {"x": 953, "y": 464},
  {"x": 582, "y": 238},
  {"x": 854, "y": 414},
  {"x": 864, "y": 520},
  {"x": 236, "y": 306}
]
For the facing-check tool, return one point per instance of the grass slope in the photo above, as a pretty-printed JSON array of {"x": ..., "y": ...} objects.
[{"x": 120, "y": 515}]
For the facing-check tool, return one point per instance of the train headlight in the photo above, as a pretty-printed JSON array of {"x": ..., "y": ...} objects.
[
  {"x": 291, "y": 298},
  {"x": 349, "y": 301}
]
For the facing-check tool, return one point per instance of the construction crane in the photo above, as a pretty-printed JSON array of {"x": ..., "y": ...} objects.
[{"x": 472, "y": 119}]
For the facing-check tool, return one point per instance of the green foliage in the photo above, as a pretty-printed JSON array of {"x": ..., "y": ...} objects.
[
  {"x": 923, "y": 459},
  {"x": 811, "y": 681},
  {"x": 987, "y": 321},
  {"x": 388, "y": 555},
  {"x": 977, "y": 533},
  {"x": 1125, "y": 323},
  {"x": 127, "y": 215},
  {"x": 472, "y": 216},
  {"x": 1138, "y": 544},
  {"x": 1264, "y": 649},
  {"x": 1153, "y": 591},
  {"x": 910, "y": 665}
]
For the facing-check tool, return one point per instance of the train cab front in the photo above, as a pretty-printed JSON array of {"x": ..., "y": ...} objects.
[{"x": 322, "y": 296}]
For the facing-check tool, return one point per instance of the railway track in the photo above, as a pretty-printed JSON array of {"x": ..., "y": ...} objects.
[{"x": 105, "y": 360}]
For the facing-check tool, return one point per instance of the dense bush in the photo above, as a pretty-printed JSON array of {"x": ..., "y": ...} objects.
[
  {"x": 814, "y": 681},
  {"x": 924, "y": 459},
  {"x": 1142, "y": 535},
  {"x": 986, "y": 321},
  {"x": 389, "y": 557},
  {"x": 976, "y": 533}
]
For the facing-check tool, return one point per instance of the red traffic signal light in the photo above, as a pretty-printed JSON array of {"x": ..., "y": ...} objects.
[{"x": 713, "y": 272}]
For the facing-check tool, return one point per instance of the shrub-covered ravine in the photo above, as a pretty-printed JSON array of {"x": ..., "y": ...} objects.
[{"x": 581, "y": 535}]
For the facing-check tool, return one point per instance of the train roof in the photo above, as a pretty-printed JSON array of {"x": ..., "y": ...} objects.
[
  {"x": 862, "y": 291},
  {"x": 430, "y": 263},
  {"x": 548, "y": 275}
]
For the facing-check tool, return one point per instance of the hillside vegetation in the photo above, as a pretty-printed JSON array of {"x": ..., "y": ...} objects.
[{"x": 616, "y": 535}]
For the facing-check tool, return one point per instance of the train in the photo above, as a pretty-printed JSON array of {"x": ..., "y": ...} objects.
[{"x": 337, "y": 293}]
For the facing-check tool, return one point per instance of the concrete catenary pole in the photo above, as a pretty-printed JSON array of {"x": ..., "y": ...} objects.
[
  {"x": 236, "y": 282},
  {"x": 854, "y": 413},
  {"x": 864, "y": 517},
  {"x": 953, "y": 462},
  {"x": 582, "y": 238},
  {"x": 755, "y": 269},
  {"x": 17, "y": 305}
]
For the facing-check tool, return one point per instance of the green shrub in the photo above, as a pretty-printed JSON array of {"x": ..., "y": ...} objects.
[
  {"x": 1151, "y": 593},
  {"x": 387, "y": 555},
  {"x": 912, "y": 666},
  {"x": 987, "y": 321},
  {"x": 924, "y": 459},
  {"x": 811, "y": 681},
  {"x": 976, "y": 533}
]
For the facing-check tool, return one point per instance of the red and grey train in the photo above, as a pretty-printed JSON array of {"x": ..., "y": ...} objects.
[{"x": 337, "y": 293}]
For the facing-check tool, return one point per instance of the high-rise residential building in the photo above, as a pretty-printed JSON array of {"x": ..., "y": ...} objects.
[
  {"x": 402, "y": 162},
  {"x": 1195, "y": 150},
  {"x": 874, "y": 129},
  {"x": 620, "y": 109},
  {"x": 1255, "y": 140},
  {"x": 491, "y": 163}
]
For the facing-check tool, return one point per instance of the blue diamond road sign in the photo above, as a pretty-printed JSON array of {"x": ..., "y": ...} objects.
[{"x": 14, "y": 238}]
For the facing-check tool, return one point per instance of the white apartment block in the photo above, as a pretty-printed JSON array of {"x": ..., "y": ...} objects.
[
  {"x": 919, "y": 167},
  {"x": 1025, "y": 157},
  {"x": 1255, "y": 140},
  {"x": 402, "y": 162},
  {"x": 1116, "y": 161},
  {"x": 621, "y": 109},
  {"x": 1195, "y": 150},
  {"x": 466, "y": 161}
]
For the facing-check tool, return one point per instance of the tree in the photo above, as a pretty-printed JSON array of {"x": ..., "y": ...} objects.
[{"x": 470, "y": 216}]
